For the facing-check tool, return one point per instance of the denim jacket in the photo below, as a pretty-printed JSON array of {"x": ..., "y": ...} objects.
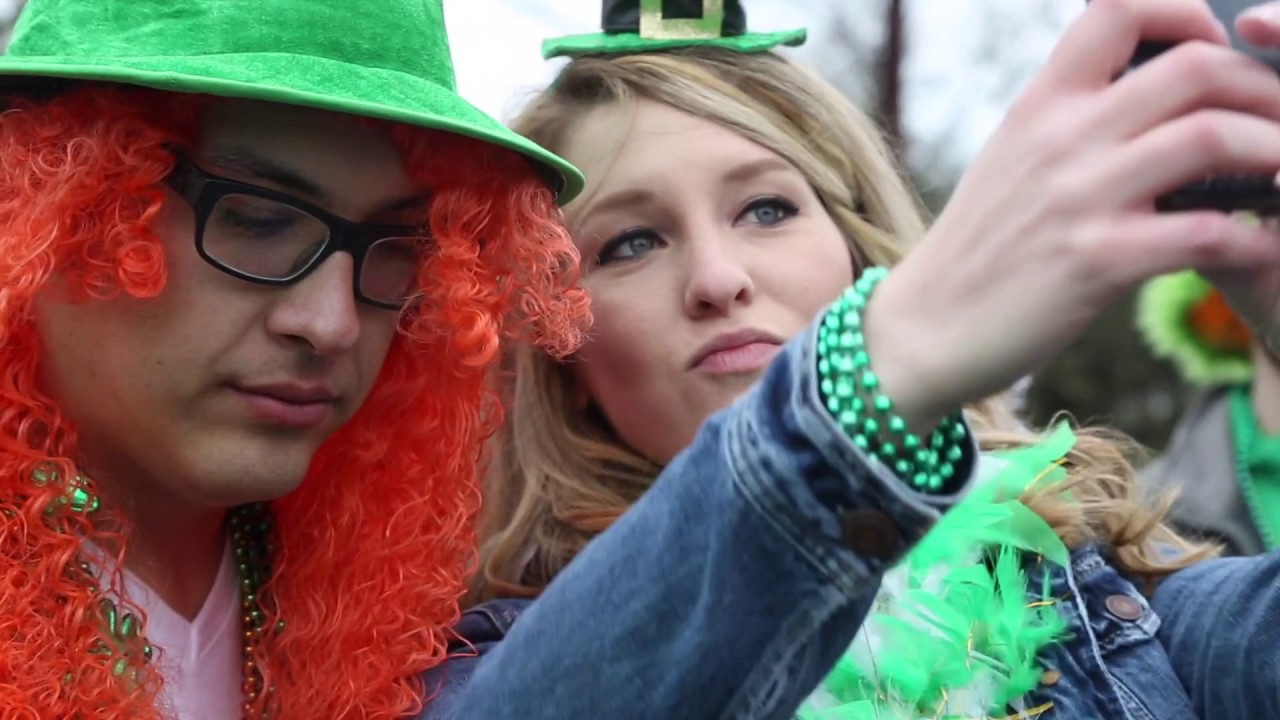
[
  {"x": 1222, "y": 628},
  {"x": 737, "y": 581},
  {"x": 728, "y": 591},
  {"x": 1112, "y": 668}
]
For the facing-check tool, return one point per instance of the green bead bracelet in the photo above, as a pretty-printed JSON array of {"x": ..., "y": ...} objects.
[{"x": 866, "y": 415}]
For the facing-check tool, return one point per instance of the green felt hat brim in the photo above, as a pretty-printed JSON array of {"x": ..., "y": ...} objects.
[
  {"x": 628, "y": 43},
  {"x": 312, "y": 82}
]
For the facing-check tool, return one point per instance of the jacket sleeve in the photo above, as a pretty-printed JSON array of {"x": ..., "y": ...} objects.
[
  {"x": 1220, "y": 624},
  {"x": 728, "y": 591}
]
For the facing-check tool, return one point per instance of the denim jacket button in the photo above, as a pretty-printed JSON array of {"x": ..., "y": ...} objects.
[
  {"x": 1050, "y": 677},
  {"x": 1124, "y": 607},
  {"x": 871, "y": 534}
]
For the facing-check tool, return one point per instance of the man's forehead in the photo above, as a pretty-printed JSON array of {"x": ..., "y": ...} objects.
[{"x": 334, "y": 160}]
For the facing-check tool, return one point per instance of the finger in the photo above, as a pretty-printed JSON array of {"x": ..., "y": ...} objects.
[
  {"x": 1189, "y": 77},
  {"x": 1188, "y": 149},
  {"x": 1100, "y": 43},
  {"x": 1260, "y": 25},
  {"x": 1142, "y": 246}
]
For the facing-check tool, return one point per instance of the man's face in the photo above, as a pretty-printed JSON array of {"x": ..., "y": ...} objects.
[{"x": 219, "y": 391}]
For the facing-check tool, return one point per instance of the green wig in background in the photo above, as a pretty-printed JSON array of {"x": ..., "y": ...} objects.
[{"x": 1185, "y": 320}]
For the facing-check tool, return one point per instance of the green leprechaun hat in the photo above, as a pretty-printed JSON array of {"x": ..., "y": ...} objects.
[
  {"x": 385, "y": 59},
  {"x": 1184, "y": 319},
  {"x": 633, "y": 26}
]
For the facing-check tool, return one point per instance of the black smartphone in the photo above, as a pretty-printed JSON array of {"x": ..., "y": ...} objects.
[{"x": 1228, "y": 193}]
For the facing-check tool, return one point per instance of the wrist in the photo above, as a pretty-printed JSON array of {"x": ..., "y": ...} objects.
[
  {"x": 857, "y": 400},
  {"x": 906, "y": 355}
]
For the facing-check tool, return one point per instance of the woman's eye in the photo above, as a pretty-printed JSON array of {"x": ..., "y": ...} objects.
[
  {"x": 628, "y": 246},
  {"x": 768, "y": 211}
]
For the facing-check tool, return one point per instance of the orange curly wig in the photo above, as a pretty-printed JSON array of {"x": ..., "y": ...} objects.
[{"x": 368, "y": 581}]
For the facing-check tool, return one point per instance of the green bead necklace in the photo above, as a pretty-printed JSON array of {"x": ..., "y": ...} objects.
[{"x": 249, "y": 527}]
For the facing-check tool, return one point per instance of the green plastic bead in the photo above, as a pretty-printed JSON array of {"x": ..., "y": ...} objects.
[
  {"x": 850, "y": 389},
  {"x": 82, "y": 501}
]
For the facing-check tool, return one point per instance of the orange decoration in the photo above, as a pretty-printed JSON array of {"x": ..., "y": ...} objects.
[{"x": 1217, "y": 325}]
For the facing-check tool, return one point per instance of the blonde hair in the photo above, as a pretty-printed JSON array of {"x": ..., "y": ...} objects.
[{"x": 562, "y": 476}]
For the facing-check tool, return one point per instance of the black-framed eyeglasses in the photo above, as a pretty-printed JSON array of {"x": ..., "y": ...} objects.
[{"x": 272, "y": 238}]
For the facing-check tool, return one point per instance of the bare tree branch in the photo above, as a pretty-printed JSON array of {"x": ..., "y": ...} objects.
[{"x": 890, "y": 105}]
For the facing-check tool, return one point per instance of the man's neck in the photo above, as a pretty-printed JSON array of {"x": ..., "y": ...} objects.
[
  {"x": 1266, "y": 391},
  {"x": 174, "y": 548},
  {"x": 177, "y": 556}
]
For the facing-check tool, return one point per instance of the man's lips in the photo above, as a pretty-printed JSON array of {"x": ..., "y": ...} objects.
[{"x": 297, "y": 405}]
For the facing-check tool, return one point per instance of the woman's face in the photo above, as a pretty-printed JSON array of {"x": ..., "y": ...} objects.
[{"x": 703, "y": 252}]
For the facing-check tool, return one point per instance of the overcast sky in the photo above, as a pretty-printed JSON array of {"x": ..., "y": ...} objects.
[
  {"x": 497, "y": 43},
  {"x": 968, "y": 59}
]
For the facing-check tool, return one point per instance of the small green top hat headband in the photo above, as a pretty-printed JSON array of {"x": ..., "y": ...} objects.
[
  {"x": 385, "y": 59},
  {"x": 633, "y": 26}
]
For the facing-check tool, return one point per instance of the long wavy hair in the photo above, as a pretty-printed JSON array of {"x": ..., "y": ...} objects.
[
  {"x": 562, "y": 475},
  {"x": 367, "y": 581}
]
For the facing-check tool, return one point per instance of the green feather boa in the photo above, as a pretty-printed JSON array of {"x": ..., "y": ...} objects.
[{"x": 949, "y": 635}]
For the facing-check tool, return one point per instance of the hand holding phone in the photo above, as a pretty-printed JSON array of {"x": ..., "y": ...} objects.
[
  {"x": 1054, "y": 220},
  {"x": 1253, "y": 193}
]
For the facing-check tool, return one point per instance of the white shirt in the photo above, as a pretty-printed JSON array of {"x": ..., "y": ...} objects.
[{"x": 200, "y": 659}]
